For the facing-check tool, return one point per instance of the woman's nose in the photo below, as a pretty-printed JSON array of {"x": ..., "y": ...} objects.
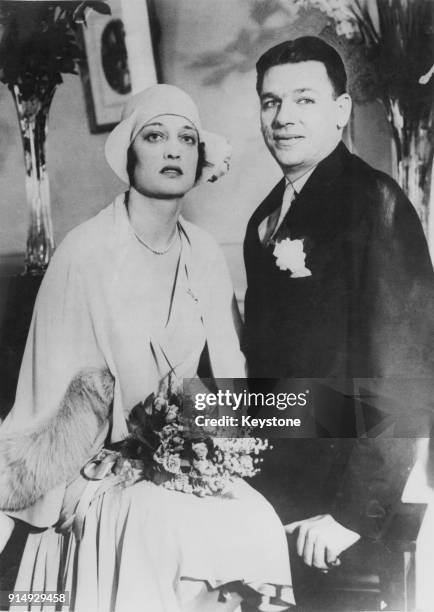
[{"x": 172, "y": 150}]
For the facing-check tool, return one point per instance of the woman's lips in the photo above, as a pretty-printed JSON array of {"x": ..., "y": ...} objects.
[{"x": 171, "y": 171}]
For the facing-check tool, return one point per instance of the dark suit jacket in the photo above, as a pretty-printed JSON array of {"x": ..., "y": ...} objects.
[{"x": 366, "y": 312}]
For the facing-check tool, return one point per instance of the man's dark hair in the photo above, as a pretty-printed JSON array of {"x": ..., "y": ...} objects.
[{"x": 304, "y": 49}]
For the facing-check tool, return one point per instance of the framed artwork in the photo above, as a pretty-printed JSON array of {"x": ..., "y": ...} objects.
[{"x": 119, "y": 60}]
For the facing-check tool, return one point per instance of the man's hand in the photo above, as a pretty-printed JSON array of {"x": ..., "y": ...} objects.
[{"x": 321, "y": 540}]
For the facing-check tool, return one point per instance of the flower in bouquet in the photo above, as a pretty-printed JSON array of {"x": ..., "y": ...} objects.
[
  {"x": 172, "y": 463},
  {"x": 161, "y": 449}
]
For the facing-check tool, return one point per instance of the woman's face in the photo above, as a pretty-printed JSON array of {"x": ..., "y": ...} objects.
[{"x": 165, "y": 157}]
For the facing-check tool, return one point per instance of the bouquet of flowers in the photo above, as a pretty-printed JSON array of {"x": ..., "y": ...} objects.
[{"x": 163, "y": 447}]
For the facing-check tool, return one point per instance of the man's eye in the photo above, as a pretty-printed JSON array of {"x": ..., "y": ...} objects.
[
  {"x": 271, "y": 103},
  {"x": 305, "y": 101},
  {"x": 153, "y": 137}
]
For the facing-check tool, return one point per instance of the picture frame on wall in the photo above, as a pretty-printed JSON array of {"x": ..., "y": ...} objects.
[{"x": 119, "y": 60}]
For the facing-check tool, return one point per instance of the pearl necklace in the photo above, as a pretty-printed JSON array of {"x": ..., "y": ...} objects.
[{"x": 164, "y": 251}]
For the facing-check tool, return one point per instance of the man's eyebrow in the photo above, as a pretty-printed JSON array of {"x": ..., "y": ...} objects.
[
  {"x": 303, "y": 89},
  {"x": 269, "y": 94}
]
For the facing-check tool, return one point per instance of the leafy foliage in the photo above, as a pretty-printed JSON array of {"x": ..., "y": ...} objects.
[
  {"x": 400, "y": 49},
  {"x": 38, "y": 43}
]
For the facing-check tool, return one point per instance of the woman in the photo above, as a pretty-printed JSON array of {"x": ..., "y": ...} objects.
[{"x": 131, "y": 295}]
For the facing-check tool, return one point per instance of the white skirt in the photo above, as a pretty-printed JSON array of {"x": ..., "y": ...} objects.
[{"x": 144, "y": 547}]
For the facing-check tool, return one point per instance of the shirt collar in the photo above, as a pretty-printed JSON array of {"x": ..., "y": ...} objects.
[{"x": 299, "y": 183}]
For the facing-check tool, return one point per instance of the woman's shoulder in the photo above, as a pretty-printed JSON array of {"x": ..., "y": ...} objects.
[
  {"x": 85, "y": 247},
  {"x": 90, "y": 236},
  {"x": 201, "y": 242}
]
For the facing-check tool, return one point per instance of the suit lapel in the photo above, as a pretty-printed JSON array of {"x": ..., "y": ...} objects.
[
  {"x": 271, "y": 202},
  {"x": 316, "y": 209},
  {"x": 316, "y": 206}
]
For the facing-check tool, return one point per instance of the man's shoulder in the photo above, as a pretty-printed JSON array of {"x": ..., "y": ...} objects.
[
  {"x": 369, "y": 178},
  {"x": 379, "y": 196}
]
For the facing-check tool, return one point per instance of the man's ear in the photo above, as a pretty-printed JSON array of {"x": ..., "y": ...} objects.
[{"x": 344, "y": 105}]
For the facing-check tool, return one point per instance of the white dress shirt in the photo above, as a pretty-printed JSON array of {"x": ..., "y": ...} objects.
[{"x": 268, "y": 227}]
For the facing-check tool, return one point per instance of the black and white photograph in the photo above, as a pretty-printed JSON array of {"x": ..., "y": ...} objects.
[{"x": 216, "y": 305}]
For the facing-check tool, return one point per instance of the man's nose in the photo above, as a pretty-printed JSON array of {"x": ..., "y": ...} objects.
[{"x": 285, "y": 114}]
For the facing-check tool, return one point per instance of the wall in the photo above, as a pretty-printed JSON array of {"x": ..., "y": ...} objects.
[{"x": 82, "y": 183}]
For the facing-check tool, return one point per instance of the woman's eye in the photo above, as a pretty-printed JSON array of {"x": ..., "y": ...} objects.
[
  {"x": 153, "y": 137},
  {"x": 189, "y": 139}
]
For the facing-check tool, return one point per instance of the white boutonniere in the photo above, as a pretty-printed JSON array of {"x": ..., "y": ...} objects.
[{"x": 290, "y": 256}]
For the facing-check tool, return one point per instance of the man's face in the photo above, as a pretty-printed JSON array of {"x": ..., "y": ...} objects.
[{"x": 301, "y": 119}]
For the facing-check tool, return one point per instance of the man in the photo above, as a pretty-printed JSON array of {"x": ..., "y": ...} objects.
[{"x": 340, "y": 286}]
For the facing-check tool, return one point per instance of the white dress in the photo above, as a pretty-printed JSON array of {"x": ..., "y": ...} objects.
[{"x": 142, "y": 547}]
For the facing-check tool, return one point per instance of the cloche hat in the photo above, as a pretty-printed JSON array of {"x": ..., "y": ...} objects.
[{"x": 153, "y": 102}]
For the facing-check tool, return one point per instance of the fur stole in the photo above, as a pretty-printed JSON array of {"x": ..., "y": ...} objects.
[{"x": 35, "y": 460}]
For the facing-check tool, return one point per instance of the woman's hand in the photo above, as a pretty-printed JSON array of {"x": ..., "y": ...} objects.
[{"x": 6, "y": 528}]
